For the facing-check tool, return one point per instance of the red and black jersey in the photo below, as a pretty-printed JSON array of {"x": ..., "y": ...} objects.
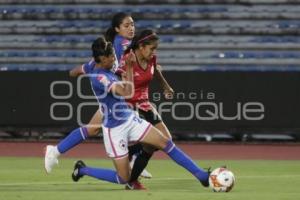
[{"x": 141, "y": 79}]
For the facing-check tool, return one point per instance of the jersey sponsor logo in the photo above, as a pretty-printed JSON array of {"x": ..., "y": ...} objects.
[
  {"x": 103, "y": 79},
  {"x": 136, "y": 74}
]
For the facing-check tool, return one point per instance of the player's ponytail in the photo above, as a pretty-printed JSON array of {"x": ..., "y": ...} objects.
[{"x": 110, "y": 34}]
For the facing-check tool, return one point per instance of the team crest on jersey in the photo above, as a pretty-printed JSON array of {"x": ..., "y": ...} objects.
[
  {"x": 125, "y": 44},
  {"x": 103, "y": 79},
  {"x": 122, "y": 144},
  {"x": 136, "y": 74}
]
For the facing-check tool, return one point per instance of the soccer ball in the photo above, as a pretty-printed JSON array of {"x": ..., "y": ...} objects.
[{"x": 221, "y": 180}]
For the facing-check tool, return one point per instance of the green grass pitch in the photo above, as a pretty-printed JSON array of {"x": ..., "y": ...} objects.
[{"x": 25, "y": 179}]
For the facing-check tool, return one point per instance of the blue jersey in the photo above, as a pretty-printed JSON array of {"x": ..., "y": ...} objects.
[
  {"x": 116, "y": 110},
  {"x": 120, "y": 45},
  {"x": 88, "y": 67}
]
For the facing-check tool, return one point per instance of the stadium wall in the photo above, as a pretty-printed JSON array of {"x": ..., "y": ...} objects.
[{"x": 204, "y": 101}]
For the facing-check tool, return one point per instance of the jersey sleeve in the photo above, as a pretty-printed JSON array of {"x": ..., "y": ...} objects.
[
  {"x": 118, "y": 50},
  {"x": 120, "y": 45},
  {"x": 122, "y": 68},
  {"x": 87, "y": 68}
]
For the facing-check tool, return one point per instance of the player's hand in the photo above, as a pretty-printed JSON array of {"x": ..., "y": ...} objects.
[
  {"x": 130, "y": 59},
  {"x": 158, "y": 67},
  {"x": 169, "y": 93},
  {"x": 124, "y": 76}
]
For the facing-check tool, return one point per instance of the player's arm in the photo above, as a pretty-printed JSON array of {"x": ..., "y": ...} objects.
[
  {"x": 76, "y": 71},
  {"x": 168, "y": 91},
  {"x": 125, "y": 87}
]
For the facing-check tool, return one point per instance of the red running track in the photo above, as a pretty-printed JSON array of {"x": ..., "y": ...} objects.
[{"x": 203, "y": 151}]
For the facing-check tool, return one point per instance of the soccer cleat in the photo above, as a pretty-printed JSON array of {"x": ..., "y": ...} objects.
[
  {"x": 75, "y": 175},
  {"x": 135, "y": 185},
  {"x": 205, "y": 183},
  {"x": 50, "y": 158},
  {"x": 146, "y": 174}
]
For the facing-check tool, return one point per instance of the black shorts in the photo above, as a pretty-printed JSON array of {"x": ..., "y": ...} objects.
[{"x": 150, "y": 116}]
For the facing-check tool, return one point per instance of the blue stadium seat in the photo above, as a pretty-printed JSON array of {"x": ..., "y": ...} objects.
[
  {"x": 268, "y": 55},
  {"x": 52, "y": 54},
  {"x": 231, "y": 55},
  {"x": 249, "y": 55},
  {"x": 47, "y": 10}
]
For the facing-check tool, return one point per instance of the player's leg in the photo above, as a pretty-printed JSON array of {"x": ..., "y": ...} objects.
[
  {"x": 120, "y": 175},
  {"x": 159, "y": 124},
  {"x": 142, "y": 157},
  {"x": 95, "y": 123},
  {"x": 140, "y": 163},
  {"x": 80, "y": 134},
  {"x": 116, "y": 148},
  {"x": 145, "y": 154},
  {"x": 74, "y": 138},
  {"x": 163, "y": 129},
  {"x": 156, "y": 138}
]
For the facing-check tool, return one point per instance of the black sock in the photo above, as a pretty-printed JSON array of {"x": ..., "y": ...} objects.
[
  {"x": 139, "y": 165},
  {"x": 134, "y": 149}
]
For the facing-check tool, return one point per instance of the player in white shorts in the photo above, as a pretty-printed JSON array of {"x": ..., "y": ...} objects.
[
  {"x": 116, "y": 139},
  {"x": 121, "y": 126}
]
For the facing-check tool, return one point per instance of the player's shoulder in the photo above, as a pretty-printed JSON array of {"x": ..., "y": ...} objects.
[
  {"x": 120, "y": 40},
  {"x": 89, "y": 66}
]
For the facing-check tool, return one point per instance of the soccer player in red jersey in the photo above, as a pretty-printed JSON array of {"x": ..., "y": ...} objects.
[{"x": 144, "y": 47}]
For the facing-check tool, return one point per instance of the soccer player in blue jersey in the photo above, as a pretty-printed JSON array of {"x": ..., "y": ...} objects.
[
  {"x": 120, "y": 34},
  {"x": 121, "y": 126}
]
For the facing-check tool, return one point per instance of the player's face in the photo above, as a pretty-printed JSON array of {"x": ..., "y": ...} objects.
[
  {"x": 149, "y": 50},
  {"x": 126, "y": 28},
  {"x": 107, "y": 62}
]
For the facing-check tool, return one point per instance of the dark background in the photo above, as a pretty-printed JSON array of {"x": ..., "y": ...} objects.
[{"x": 25, "y": 99}]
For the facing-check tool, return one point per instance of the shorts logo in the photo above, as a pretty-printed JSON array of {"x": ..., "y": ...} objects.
[{"x": 122, "y": 145}]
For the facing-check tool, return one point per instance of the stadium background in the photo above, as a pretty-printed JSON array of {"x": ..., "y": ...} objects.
[
  {"x": 233, "y": 64},
  {"x": 239, "y": 51}
]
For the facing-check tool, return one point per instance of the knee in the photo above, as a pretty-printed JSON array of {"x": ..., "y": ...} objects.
[
  {"x": 148, "y": 149},
  {"x": 93, "y": 130},
  {"x": 163, "y": 143}
]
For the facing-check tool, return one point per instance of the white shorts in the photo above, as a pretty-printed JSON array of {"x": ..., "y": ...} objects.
[{"x": 116, "y": 139}]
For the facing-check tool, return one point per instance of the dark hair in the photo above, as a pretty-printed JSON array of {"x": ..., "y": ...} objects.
[
  {"x": 115, "y": 22},
  {"x": 145, "y": 37},
  {"x": 101, "y": 47}
]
